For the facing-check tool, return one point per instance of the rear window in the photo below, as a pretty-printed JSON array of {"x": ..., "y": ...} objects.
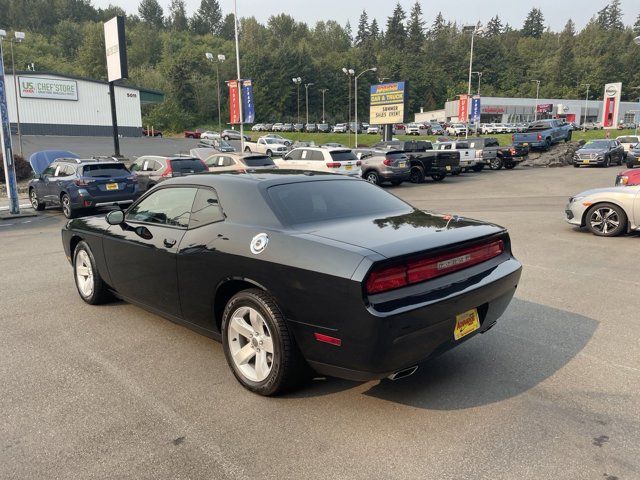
[
  {"x": 628, "y": 139},
  {"x": 105, "y": 170},
  {"x": 343, "y": 156},
  {"x": 188, "y": 165},
  {"x": 258, "y": 161},
  {"x": 396, "y": 156},
  {"x": 321, "y": 201}
]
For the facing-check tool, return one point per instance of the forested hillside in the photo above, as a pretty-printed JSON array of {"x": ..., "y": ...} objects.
[{"x": 167, "y": 52}]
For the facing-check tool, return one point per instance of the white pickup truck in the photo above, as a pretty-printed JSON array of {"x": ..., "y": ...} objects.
[
  {"x": 467, "y": 155},
  {"x": 269, "y": 146}
]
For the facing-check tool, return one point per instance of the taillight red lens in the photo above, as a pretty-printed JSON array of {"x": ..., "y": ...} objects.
[
  {"x": 334, "y": 164},
  {"x": 539, "y": 137},
  {"x": 83, "y": 182},
  {"x": 358, "y": 163},
  {"x": 168, "y": 171},
  {"x": 387, "y": 162},
  {"x": 416, "y": 271}
]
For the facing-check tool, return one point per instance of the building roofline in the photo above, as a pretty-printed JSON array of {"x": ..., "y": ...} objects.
[{"x": 84, "y": 79}]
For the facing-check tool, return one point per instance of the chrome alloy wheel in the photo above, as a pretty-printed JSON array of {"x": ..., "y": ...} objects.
[
  {"x": 84, "y": 273},
  {"x": 250, "y": 344},
  {"x": 34, "y": 199},
  {"x": 604, "y": 220},
  {"x": 66, "y": 205}
]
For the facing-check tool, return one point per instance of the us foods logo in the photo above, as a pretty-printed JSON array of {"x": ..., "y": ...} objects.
[{"x": 27, "y": 87}]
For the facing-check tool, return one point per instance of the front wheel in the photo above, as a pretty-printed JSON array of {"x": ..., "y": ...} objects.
[
  {"x": 258, "y": 346},
  {"x": 509, "y": 165},
  {"x": 247, "y": 150},
  {"x": 89, "y": 283},
  {"x": 606, "y": 220},
  {"x": 372, "y": 177},
  {"x": 547, "y": 145},
  {"x": 438, "y": 177},
  {"x": 269, "y": 153},
  {"x": 226, "y": 138},
  {"x": 35, "y": 203},
  {"x": 495, "y": 164}
]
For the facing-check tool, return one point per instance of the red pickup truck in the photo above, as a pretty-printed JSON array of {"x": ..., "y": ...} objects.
[{"x": 192, "y": 133}]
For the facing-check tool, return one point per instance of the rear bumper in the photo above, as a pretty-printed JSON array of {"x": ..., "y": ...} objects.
[
  {"x": 385, "y": 341},
  {"x": 86, "y": 200},
  {"x": 390, "y": 175}
]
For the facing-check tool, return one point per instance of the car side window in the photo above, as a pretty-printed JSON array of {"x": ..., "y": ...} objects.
[
  {"x": 50, "y": 170},
  {"x": 166, "y": 206},
  {"x": 206, "y": 209},
  {"x": 135, "y": 166},
  {"x": 294, "y": 155},
  {"x": 315, "y": 155},
  {"x": 227, "y": 161},
  {"x": 304, "y": 155}
]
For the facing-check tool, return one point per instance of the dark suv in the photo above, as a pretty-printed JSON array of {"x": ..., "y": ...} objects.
[
  {"x": 76, "y": 184},
  {"x": 152, "y": 169}
]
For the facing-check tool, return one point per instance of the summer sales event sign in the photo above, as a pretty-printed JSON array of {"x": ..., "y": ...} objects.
[
  {"x": 32, "y": 87},
  {"x": 387, "y": 103}
]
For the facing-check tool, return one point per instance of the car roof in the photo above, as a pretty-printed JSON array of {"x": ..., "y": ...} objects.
[{"x": 262, "y": 177}]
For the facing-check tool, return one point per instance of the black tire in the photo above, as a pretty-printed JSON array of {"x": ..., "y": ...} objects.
[
  {"x": 438, "y": 177},
  {"x": 620, "y": 159},
  {"x": 100, "y": 291},
  {"x": 226, "y": 138},
  {"x": 67, "y": 210},
  {"x": 607, "y": 162},
  {"x": 247, "y": 150},
  {"x": 35, "y": 203},
  {"x": 509, "y": 165},
  {"x": 568, "y": 139},
  {"x": 417, "y": 174},
  {"x": 288, "y": 367},
  {"x": 269, "y": 153},
  {"x": 629, "y": 165},
  {"x": 620, "y": 215},
  {"x": 496, "y": 164},
  {"x": 478, "y": 167},
  {"x": 547, "y": 145},
  {"x": 372, "y": 176},
  {"x": 576, "y": 165}
]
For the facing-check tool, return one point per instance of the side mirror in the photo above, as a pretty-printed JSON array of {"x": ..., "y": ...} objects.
[{"x": 115, "y": 217}]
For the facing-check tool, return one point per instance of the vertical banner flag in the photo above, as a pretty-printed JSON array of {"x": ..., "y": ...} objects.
[
  {"x": 5, "y": 141},
  {"x": 475, "y": 109},
  {"x": 463, "y": 108},
  {"x": 234, "y": 102},
  {"x": 116, "y": 49},
  {"x": 248, "y": 108}
]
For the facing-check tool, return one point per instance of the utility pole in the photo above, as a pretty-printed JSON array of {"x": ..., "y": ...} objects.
[
  {"x": 19, "y": 37},
  {"x": 298, "y": 82},
  {"x": 235, "y": 25},
  {"x": 535, "y": 112},
  {"x": 323, "y": 90},
  {"x": 586, "y": 104},
  {"x": 349, "y": 72},
  {"x": 306, "y": 88},
  {"x": 221, "y": 58},
  {"x": 355, "y": 92},
  {"x": 5, "y": 139}
]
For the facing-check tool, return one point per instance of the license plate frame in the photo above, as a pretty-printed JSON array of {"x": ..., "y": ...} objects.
[
  {"x": 466, "y": 323},
  {"x": 112, "y": 186},
  {"x": 348, "y": 167}
]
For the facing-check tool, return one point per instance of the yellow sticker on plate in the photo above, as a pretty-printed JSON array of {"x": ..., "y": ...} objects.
[
  {"x": 448, "y": 168},
  {"x": 348, "y": 167},
  {"x": 466, "y": 323},
  {"x": 586, "y": 162},
  {"x": 112, "y": 186}
]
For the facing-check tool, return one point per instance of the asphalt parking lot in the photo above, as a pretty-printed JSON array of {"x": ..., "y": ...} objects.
[{"x": 553, "y": 391}]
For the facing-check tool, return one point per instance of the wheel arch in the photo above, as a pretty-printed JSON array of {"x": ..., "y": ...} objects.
[
  {"x": 583, "y": 222},
  {"x": 226, "y": 289}
]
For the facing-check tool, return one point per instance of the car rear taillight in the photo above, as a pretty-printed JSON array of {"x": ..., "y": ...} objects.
[
  {"x": 358, "y": 163},
  {"x": 513, "y": 138},
  {"x": 623, "y": 180},
  {"x": 513, "y": 151},
  {"x": 132, "y": 178},
  {"x": 168, "y": 171},
  {"x": 83, "y": 182},
  {"x": 334, "y": 164},
  {"x": 416, "y": 271},
  {"x": 387, "y": 162},
  {"x": 539, "y": 137}
]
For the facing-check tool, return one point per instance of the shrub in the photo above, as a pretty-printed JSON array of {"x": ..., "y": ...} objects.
[{"x": 23, "y": 168}]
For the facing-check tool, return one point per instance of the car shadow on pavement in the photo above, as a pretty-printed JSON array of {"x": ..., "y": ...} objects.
[{"x": 529, "y": 344}]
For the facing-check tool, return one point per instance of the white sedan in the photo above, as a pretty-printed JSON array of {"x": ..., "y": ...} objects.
[{"x": 210, "y": 135}]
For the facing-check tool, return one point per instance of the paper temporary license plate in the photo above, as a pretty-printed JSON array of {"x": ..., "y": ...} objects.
[
  {"x": 448, "y": 168},
  {"x": 466, "y": 323},
  {"x": 348, "y": 167},
  {"x": 586, "y": 161},
  {"x": 112, "y": 186},
  {"x": 402, "y": 164}
]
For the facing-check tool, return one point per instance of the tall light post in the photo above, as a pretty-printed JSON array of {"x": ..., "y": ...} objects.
[
  {"x": 306, "y": 101},
  {"x": 5, "y": 138},
  {"x": 355, "y": 92},
  {"x": 586, "y": 104},
  {"x": 637, "y": 42},
  {"x": 479, "y": 80},
  {"x": 473, "y": 29},
  {"x": 235, "y": 29},
  {"x": 298, "y": 82},
  {"x": 323, "y": 90},
  {"x": 535, "y": 111},
  {"x": 349, "y": 72},
  {"x": 19, "y": 37},
  {"x": 221, "y": 58}
]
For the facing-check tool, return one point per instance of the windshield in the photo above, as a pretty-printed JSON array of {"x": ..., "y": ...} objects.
[
  {"x": 322, "y": 201},
  {"x": 597, "y": 144},
  {"x": 256, "y": 161},
  {"x": 271, "y": 140},
  {"x": 105, "y": 170}
]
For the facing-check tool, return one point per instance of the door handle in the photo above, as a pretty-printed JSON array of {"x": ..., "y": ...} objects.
[{"x": 169, "y": 242}]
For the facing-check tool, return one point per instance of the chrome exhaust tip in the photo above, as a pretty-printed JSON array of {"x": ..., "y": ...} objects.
[{"x": 405, "y": 372}]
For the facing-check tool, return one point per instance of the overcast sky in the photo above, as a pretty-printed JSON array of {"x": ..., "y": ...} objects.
[{"x": 556, "y": 13}]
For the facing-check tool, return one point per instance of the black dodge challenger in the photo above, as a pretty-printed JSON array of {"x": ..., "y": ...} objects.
[{"x": 299, "y": 272}]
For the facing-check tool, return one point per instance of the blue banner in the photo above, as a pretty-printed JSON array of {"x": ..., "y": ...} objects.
[
  {"x": 5, "y": 140},
  {"x": 475, "y": 109},
  {"x": 248, "y": 108}
]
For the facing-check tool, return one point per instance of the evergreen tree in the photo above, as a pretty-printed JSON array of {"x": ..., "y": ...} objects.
[
  {"x": 533, "y": 24},
  {"x": 178, "y": 15},
  {"x": 227, "y": 30},
  {"x": 374, "y": 30},
  {"x": 151, "y": 12},
  {"x": 208, "y": 18},
  {"x": 363, "y": 29},
  {"x": 615, "y": 16},
  {"x": 439, "y": 25},
  {"x": 494, "y": 27},
  {"x": 349, "y": 31},
  {"x": 563, "y": 66},
  {"x": 636, "y": 26},
  {"x": 396, "y": 32},
  {"x": 415, "y": 29}
]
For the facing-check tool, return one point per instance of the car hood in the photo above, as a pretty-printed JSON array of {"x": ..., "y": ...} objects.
[
  {"x": 404, "y": 234},
  {"x": 606, "y": 190},
  {"x": 591, "y": 150},
  {"x": 41, "y": 160}
]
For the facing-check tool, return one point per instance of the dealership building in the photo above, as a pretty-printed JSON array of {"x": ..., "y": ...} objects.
[
  {"x": 514, "y": 110},
  {"x": 56, "y": 104}
]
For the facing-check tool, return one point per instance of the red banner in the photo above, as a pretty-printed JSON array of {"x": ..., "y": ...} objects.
[
  {"x": 463, "y": 108},
  {"x": 234, "y": 102}
]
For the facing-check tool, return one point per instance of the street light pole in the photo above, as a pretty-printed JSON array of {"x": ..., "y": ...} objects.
[
  {"x": 19, "y": 36},
  {"x": 586, "y": 104},
  {"x": 535, "y": 112},
  {"x": 221, "y": 58},
  {"x": 298, "y": 81},
  {"x": 355, "y": 92},
  {"x": 479, "y": 80},
  {"x": 473, "y": 29},
  {"x": 350, "y": 72},
  {"x": 5, "y": 139},
  {"x": 235, "y": 25},
  {"x": 323, "y": 90},
  {"x": 306, "y": 102}
]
